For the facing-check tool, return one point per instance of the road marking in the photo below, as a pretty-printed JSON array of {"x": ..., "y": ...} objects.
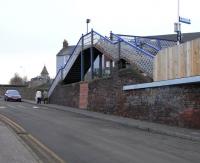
[
  {"x": 35, "y": 107},
  {"x": 48, "y": 150},
  {"x": 41, "y": 147},
  {"x": 3, "y": 107}
]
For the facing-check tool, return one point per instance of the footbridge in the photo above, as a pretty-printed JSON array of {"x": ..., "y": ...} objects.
[{"x": 138, "y": 51}]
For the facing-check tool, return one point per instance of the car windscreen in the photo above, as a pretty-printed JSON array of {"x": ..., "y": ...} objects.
[{"x": 13, "y": 92}]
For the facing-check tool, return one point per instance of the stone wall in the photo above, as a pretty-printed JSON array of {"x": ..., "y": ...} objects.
[
  {"x": 173, "y": 105},
  {"x": 67, "y": 95},
  {"x": 163, "y": 104},
  {"x": 105, "y": 94}
]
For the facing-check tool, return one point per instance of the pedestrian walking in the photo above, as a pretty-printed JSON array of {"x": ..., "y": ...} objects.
[
  {"x": 38, "y": 97},
  {"x": 45, "y": 97}
]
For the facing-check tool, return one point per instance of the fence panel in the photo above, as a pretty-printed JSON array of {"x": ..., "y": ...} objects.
[{"x": 178, "y": 61}]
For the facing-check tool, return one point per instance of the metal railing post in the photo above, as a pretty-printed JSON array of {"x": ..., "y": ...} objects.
[
  {"x": 119, "y": 53},
  {"x": 100, "y": 65},
  {"x": 92, "y": 56},
  {"x": 61, "y": 73},
  {"x": 82, "y": 58},
  {"x": 111, "y": 36}
]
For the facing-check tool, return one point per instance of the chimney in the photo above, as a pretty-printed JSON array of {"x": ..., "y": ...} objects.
[{"x": 65, "y": 44}]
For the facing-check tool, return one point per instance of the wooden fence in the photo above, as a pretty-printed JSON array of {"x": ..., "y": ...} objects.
[{"x": 177, "y": 62}]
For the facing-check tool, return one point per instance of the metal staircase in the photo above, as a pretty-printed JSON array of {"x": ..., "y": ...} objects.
[
  {"x": 136, "y": 50},
  {"x": 149, "y": 44}
]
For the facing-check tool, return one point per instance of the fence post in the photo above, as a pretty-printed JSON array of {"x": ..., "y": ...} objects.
[{"x": 92, "y": 56}]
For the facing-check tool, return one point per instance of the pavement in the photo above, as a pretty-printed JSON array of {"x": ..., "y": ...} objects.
[{"x": 14, "y": 150}]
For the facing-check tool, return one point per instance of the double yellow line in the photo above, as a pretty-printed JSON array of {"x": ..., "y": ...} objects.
[{"x": 45, "y": 154}]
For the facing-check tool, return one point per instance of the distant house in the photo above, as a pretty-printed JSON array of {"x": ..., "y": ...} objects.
[
  {"x": 63, "y": 55},
  {"x": 43, "y": 79}
]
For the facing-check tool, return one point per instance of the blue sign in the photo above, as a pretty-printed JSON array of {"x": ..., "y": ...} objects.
[{"x": 184, "y": 20}]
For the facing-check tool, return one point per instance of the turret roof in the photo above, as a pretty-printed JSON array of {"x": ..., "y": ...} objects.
[{"x": 44, "y": 71}]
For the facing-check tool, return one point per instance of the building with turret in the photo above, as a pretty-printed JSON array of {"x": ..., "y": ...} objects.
[{"x": 43, "y": 79}]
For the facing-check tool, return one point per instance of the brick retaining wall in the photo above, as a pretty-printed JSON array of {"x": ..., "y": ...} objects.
[
  {"x": 162, "y": 104},
  {"x": 67, "y": 95},
  {"x": 173, "y": 105}
]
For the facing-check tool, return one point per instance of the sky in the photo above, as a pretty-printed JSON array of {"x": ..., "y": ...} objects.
[{"x": 32, "y": 31}]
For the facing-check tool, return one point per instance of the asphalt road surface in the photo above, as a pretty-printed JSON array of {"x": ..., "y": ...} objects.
[{"x": 80, "y": 139}]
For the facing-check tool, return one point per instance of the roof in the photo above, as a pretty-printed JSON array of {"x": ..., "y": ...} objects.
[
  {"x": 185, "y": 36},
  {"x": 66, "y": 51},
  {"x": 44, "y": 71}
]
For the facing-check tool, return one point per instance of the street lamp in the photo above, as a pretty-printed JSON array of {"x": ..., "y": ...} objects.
[{"x": 87, "y": 21}]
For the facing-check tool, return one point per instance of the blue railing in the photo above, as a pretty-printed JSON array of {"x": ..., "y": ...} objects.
[
  {"x": 60, "y": 71},
  {"x": 98, "y": 39},
  {"x": 146, "y": 37},
  {"x": 106, "y": 38},
  {"x": 134, "y": 46},
  {"x": 151, "y": 42}
]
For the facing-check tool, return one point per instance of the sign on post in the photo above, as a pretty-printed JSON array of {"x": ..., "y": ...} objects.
[{"x": 184, "y": 20}]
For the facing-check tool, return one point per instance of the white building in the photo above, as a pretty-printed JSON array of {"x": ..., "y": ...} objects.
[{"x": 63, "y": 55}]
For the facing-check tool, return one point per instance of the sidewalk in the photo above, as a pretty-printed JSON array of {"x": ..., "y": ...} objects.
[
  {"x": 12, "y": 149},
  {"x": 184, "y": 133}
]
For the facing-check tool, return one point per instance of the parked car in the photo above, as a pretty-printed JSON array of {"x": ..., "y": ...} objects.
[{"x": 12, "y": 95}]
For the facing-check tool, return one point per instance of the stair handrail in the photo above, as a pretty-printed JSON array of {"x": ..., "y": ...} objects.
[
  {"x": 62, "y": 68},
  {"x": 147, "y": 37},
  {"x": 149, "y": 45},
  {"x": 105, "y": 38},
  {"x": 134, "y": 46},
  {"x": 75, "y": 48},
  {"x": 161, "y": 43}
]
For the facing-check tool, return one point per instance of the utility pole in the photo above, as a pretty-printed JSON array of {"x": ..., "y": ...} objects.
[{"x": 177, "y": 25}]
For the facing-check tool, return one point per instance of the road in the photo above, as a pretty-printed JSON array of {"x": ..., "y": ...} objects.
[{"x": 80, "y": 139}]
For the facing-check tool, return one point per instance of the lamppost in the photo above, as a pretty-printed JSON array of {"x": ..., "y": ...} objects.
[{"x": 87, "y": 21}]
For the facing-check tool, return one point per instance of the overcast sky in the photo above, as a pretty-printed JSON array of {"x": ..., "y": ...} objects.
[{"x": 32, "y": 31}]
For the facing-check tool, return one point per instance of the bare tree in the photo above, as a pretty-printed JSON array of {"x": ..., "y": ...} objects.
[{"x": 17, "y": 80}]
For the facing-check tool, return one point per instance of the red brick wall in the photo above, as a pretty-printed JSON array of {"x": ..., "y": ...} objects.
[
  {"x": 173, "y": 105},
  {"x": 83, "y": 97}
]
